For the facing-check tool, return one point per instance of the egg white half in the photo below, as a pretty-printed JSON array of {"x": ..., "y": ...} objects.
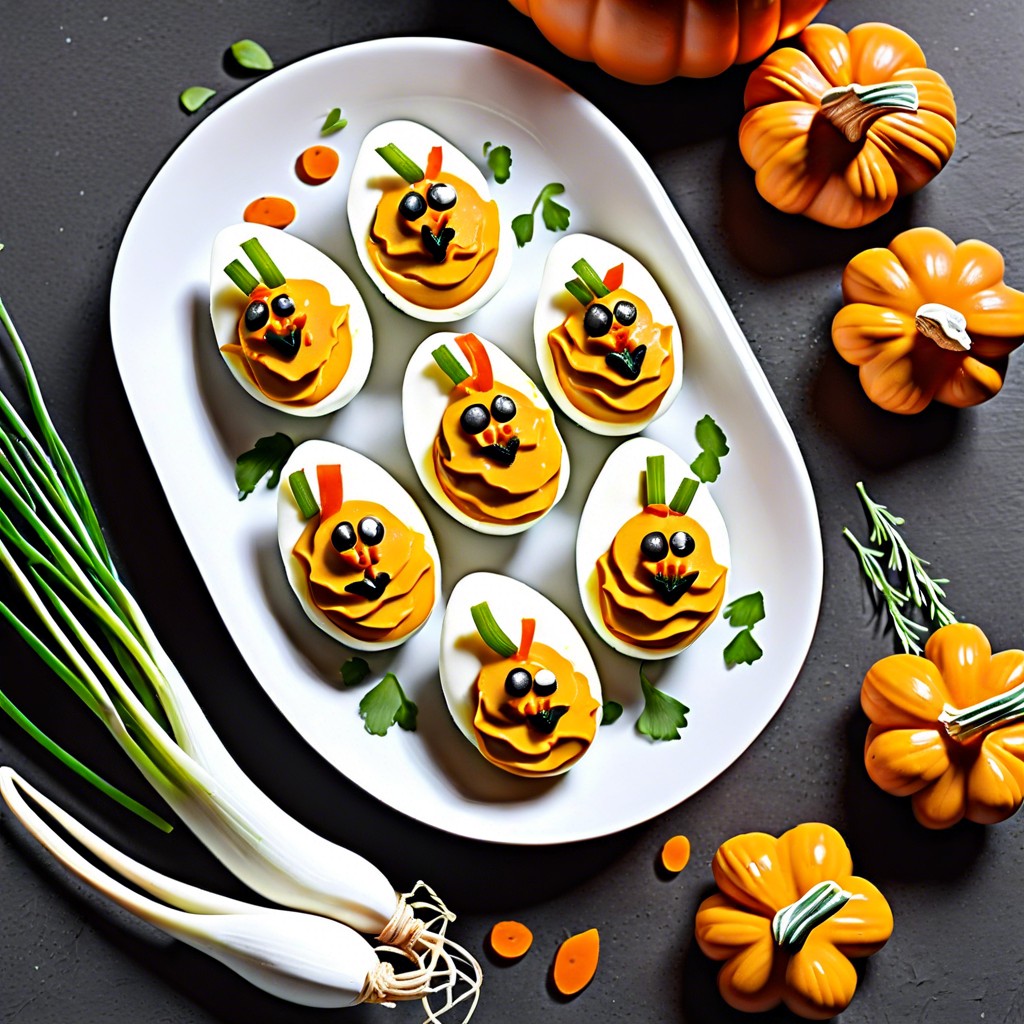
[
  {"x": 554, "y": 304},
  {"x": 510, "y": 602},
  {"x": 425, "y": 393},
  {"x": 361, "y": 478},
  {"x": 617, "y": 496},
  {"x": 370, "y": 169},
  {"x": 295, "y": 259}
]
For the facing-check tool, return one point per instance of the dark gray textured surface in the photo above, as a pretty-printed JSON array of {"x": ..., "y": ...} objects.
[{"x": 88, "y": 115}]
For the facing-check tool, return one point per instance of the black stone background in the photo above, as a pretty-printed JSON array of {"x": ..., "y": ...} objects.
[{"x": 87, "y": 114}]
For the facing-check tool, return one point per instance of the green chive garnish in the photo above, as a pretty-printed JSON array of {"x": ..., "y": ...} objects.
[
  {"x": 579, "y": 291},
  {"x": 241, "y": 277},
  {"x": 590, "y": 278},
  {"x": 490, "y": 632},
  {"x": 400, "y": 163},
  {"x": 451, "y": 366},
  {"x": 684, "y": 495},
  {"x": 655, "y": 479},
  {"x": 303, "y": 494},
  {"x": 265, "y": 266}
]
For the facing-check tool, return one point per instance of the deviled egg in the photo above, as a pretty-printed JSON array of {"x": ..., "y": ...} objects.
[
  {"x": 481, "y": 435},
  {"x": 293, "y": 329},
  {"x": 608, "y": 344},
  {"x": 356, "y": 548},
  {"x": 425, "y": 226},
  {"x": 652, "y": 552},
  {"x": 517, "y": 676}
]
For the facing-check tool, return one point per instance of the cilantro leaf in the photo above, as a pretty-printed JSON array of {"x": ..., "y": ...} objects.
[
  {"x": 743, "y": 649},
  {"x": 522, "y": 228},
  {"x": 711, "y": 438},
  {"x": 746, "y": 610},
  {"x": 333, "y": 122},
  {"x": 706, "y": 467},
  {"x": 251, "y": 55},
  {"x": 663, "y": 716},
  {"x": 385, "y": 705},
  {"x": 612, "y": 712},
  {"x": 268, "y": 456},
  {"x": 354, "y": 671},
  {"x": 499, "y": 159},
  {"x": 195, "y": 96}
]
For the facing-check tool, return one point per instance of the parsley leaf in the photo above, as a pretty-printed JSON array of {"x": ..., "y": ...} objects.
[
  {"x": 554, "y": 215},
  {"x": 268, "y": 456},
  {"x": 354, "y": 671},
  {"x": 522, "y": 228},
  {"x": 385, "y": 705},
  {"x": 499, "y": 159},
  {"x": 333, "y": 122},
  {"x": 706, "y": 467},
  {"x": 713, "y": 446},
  {"x": 251, "y": 55},
  {"x": 743, "y": 649},
  {"x": 663, "y": 716},
  {"x": 612, "y": 712},
  {"x": 746, "y": 610},
  {"x": 195, "y": 96}
]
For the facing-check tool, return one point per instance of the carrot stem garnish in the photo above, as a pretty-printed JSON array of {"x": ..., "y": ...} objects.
[
  {"x": 526, "y": 639},
  {"x": 328, "y": 479},
  {"x": 613, "y": 279},
  {"x": 473, "y": 349},
  {"x": 433, "y": 163}
]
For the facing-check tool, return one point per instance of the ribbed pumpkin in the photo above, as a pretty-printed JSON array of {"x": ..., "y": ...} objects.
[
  {"x": 838, "y": 130},
  {"x": 649, "y": 41},
  {"x": 927, "y": 319},
  {"x": 947, "y": 729},
  {"x": 789, "y": 915}
]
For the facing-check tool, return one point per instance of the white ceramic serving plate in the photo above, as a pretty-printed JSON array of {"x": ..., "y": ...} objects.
[{"x": 195, "y": 420}]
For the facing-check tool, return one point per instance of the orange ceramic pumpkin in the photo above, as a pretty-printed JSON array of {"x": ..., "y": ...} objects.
[
  {"x": 927, "y": 319},
  {"x": 789, "y": 915},
  {"x": 947, "y": 729},
  {"x": 837, "y": 131},
  {"x": 644, "y": 42}
]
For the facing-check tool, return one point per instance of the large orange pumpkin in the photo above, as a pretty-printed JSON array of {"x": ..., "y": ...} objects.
[
  {"x": 649, "y": 41},
  {"x": 837, "y": 131}
]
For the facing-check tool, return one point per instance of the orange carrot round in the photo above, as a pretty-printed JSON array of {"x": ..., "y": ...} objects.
[
  {"x": 510, "y": 939},
  {"x": 317, "y": 164},
  {"x": 273, "y": 211},
  {"x": 675, "y": 854},
  {"x": 576, "y": 962}
]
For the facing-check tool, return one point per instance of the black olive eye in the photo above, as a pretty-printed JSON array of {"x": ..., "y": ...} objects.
[
  {"x": 681, "y": 543},
  {"x": 256, "y": 315},
  {"x": 597, "y": 321},
  {"x": 503, "y": 408},
  {"x": 412, "y": 206},
  {"x": 371, "y": 530},
  {"x": 625, "y": 313},
  {"x": 475, "y": 418},
  {"x": 282, "y": 305},
  {"x": 441, "y": 196},
  {"x": 654, "y": 547},
  {"x": 518, "y": 682},
  {"x": 343, "y": 537},
  {"x": 545, "y": 683}
]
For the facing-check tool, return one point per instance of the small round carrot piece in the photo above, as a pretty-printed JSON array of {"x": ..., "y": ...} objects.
[
  {"x": 317, "y": 164},
  {"x": 576, "y": 962},
  {"x": 510, "y": 939},
  {"x": 273, "y": 211},
  {"x": 675, "y": 854}
]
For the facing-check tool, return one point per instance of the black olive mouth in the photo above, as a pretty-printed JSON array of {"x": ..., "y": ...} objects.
[
  {"x": 505, "y": 454},
  {"x": 545, "y": 721},
  {"x": 671, "y": 588},
  {"x": 286, "y": 345},
  {"x": 372, "y": 588},
  {"x": 627, "y": 363}
]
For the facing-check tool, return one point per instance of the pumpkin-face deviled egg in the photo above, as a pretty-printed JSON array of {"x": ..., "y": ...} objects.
[
  {"x": 296, "y": 335},
  {"x": 608, "y": 344},
  {"x": 424, "y": 224},
  {"x": 359, "y": 555},
  {"x": 530, "y": 705},
  {"x": 651, "y": 569},
  {"x": 481, "y": 436}
]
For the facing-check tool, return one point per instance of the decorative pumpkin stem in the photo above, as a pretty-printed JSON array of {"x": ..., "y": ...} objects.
[
  {"x": 945, "y": 326},
  {"x": 963, "y": 724},
  {"x": 791, "y": 925},
  {"x": 852, "y": 108}
]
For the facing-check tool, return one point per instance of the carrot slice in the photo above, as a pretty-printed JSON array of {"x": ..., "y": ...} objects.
[
  {"x": 273, "y": 211},
  {"x": 675, "y": 854},
  {"x": 317, "y": 164},
  {"x": 510, "y": 939},
  {"x": 576, "y": 962},
  {"x": 433, "y": 163},
  {"x": 526, "y": 639},
  {"x": 613, "y": 279},
  {"x": 328, "y": 479},
  {"x": 479, "y": 362}
]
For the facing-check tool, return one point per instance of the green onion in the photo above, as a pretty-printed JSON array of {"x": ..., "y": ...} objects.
[
  {"x": 451, "y": 366},
  {"x": 241, "y": 277},
  {"x": 400, "y": 163},
  {"x": 490, "y": 632},
  {"x": 590, "y": 278},
  {"x": 303, "y": 494},
  {"x": 655, "y": 479},
  {"x": 579, "y": 291},
  {"x": 684, "y": 495},
  {"x": 265, "y": 266}
]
